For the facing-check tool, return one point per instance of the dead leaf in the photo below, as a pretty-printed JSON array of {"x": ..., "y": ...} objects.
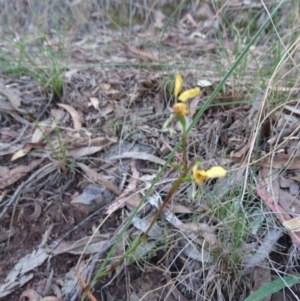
[
  {"x": 279, "y": 212},
  {"x": 284, "y": 133},
  {"x": 98, "y": 179},
  {"x": 191, "y": 252},
  {"x": 104, "y": 142},
  {"x": 21, "y": 153},
  {"x": 242, "y": 151},
  {"x": 194, "y": 105},
  {"x": 203, "y": 83},
  {"x": 3, "y": 171},
  {"x": 123, "y": 198},
  {"x": 105, "y": 86},
  {"x": 37, "y": 211},
  {"x": 86, "y": 245},
  {"x": 141, "y": 54},
  {"x": 8, "y": 108},
  {"x": 292, "y": 224},
  {"x": 133, "y": 201},
  {"x": 17, "y": 173},
  {"x": 14, "y": 99},
  {"x": 158, "y": 19},
  {"x": 265, "y": 248},
  {"x": 107, "y": 110},
  {"x": 19, "y": 275},
  {"x": 206, "y": 231},
  {"x": 262, "y": 276},
  {"x": 292, "y": 109},
  {"x": 156, "y": 232},
  {"x": 84, "y": 151},
  {"x": 8, "y": 148},
  {"x": 281, "y": 160},
  {"x": 140, "y": 156},
  {"x": 174, "y": 208},
  {"x": 70, "y": 73},
  {"x": 32, "y": 295},
  {"x": 74, "y": 114},
  {"x": 95, "y": 102},
  {"x": 92, "y": 198},
  {"x": 58, "y": 115},
  {"x": 5, "y": 106},
  {"x": 296, "y": 178},
  {"x": 289, "y": 202},
  {"x": 43, "y": 129}
]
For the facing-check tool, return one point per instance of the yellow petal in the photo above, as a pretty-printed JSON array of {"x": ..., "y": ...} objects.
[
  {"x": 178, "y": 84},
  {"x": 184, "y": 96},
  {"x": 180, "y": 109},
  {"x": 216, "y": 172},
  {"x": 199, "y": 175}
]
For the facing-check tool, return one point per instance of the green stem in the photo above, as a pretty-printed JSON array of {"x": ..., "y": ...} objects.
[{"x": 184, "y": 148}]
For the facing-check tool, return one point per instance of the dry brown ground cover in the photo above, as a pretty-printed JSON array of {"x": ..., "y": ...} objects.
[{"x": 85, "y": 89}]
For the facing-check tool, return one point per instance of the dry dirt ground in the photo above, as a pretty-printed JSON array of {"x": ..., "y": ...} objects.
[{"x": 76, "y": 161}]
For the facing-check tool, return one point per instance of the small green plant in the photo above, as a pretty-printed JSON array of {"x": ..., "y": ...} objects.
[
  {"x": 189, "y": 172},
  {"x": 60, "y": 155},
  {"x": 38, "y": 59}
]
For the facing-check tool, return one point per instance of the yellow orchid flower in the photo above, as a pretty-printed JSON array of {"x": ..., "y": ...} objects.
[
  {"x": 184, "y": 96},
  {"x": 178, "y": 84},
  {"x": 200, "y": 176},
  {"x": 180, "y": 109}
]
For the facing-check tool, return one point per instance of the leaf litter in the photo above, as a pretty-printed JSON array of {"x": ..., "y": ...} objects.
[{"x": 102, "y": 151}]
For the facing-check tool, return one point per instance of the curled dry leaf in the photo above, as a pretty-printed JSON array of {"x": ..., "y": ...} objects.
[
  {"x": 36, "y": 214},
  {"x": 74, "y": 114}
]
